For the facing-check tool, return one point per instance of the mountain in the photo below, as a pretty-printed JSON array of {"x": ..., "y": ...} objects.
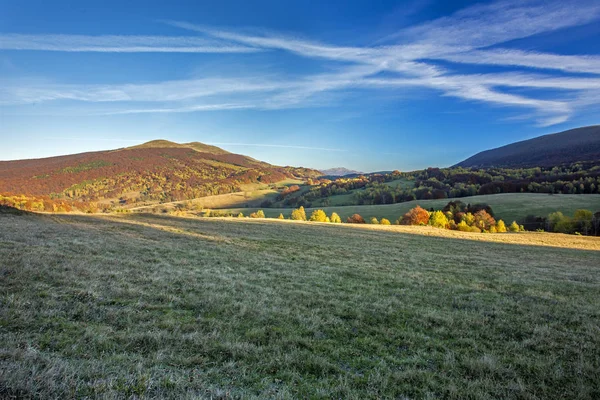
[
  {"x": 340, "y": 171},
  {"x": 580, "y": 144},
  {"x": 155, "y": 171}
]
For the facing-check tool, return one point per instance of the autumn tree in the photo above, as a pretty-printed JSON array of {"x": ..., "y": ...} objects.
[
  {"x": 416, "y": 216},
  {"x": 335, "y": 218},
  {"x": 483, "y": 220},
  {"x": 240, "y": 215},
  {"x": 500, "y": 226},
  {"x": 374, "y": 221},
  {"x": 260, "y": 214},
  {"x": 299, "y": 214},
  {"x": 514, "y": 227},
  {"x": 355, "y": 219},
  {"x": 438, "y": 220},
  {"x": 318, "y": 216},
  {"x": 281, "y": 216},
  {"x": 384, "y": 221},
  {"x": 469, "y": 219}
]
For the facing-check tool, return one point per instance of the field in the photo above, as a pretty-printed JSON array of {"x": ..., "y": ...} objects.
[
  {"x": 140, "y": 306},
  {"x": 507, "y": 206}
]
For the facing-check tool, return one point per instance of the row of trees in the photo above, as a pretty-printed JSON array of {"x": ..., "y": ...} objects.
[
  {"x": 481, "y": 221},
  {"x": 436, "y": 183},
  {"x": 455, "y": 216},
  {"x": 583, "y": 222}
]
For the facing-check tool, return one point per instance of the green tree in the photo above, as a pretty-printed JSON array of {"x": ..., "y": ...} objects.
[
  {"x": 260, "y": 214},
  {"x": 335, "y": 218},
  {"x": 240, "y": 215},
  {"x": 318, "y": 216},
  {"x": 582, "y": 221},
  {"x": 438, "y": 220},
  {"x": 299, "y": 214}
]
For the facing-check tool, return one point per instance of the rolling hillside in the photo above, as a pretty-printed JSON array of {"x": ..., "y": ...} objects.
[
  {"x": 581, "y": 144},
  {"x": 155, "y": 171}
]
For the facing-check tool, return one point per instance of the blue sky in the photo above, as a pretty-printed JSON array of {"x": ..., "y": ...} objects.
[{"x": 369, "y": 85}]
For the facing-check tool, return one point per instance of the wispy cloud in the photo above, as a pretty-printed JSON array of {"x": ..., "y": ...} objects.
[
  {"x": 120, "y": 44},
  {"x": 415, "y": 57}
]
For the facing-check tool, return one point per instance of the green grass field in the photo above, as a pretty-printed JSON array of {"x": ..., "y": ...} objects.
[
  {"x": 507, "y": 206},
  {"x": 150, "y": 306}
]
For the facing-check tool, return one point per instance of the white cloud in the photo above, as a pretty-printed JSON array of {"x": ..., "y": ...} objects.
[{"x": 119, "y": 44}]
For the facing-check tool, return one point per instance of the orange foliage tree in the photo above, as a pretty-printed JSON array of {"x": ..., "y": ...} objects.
[
  {"x": 355, "y": 219},
  {"x": 416, "y": 216}
]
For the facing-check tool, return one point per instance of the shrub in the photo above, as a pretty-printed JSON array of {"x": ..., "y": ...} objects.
[
  {"x": 240, "y": 215},
  {"x": 374, "y": 221},
  {"x": 356, "y": 219},
  {"x": 318, "y": 216},
  {"x": 335, "y": 218},
  {"x": 474, "y": 229},
  {"x": 416, "y": 216},
  {"x": 260, "y": 214},
  {"x": 438, "y": 220},
  {"x": 514, "y": 227},
  {"x": 299, "y": 214},
  {"x": 281, "y": 216},
  {"x": 384, "y": 221}
]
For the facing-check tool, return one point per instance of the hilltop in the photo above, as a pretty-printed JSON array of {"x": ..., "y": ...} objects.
[
  {"x": 159, "y": 170},
  {"x": 580, "y": 144}
]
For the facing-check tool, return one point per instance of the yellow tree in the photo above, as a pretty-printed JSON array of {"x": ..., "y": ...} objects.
[
  {"x": 438, "y": 219},
  {"x": 335, "y": 218},
  {"x": 299, "y": 214},
  {"x": 500, "y": 226},
  {"x": 318, "y": 216}
]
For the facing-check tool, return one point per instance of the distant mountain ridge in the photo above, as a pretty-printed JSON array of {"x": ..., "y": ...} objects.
[
  {"x": 154, "y": 171},
  {"x": 340, "y": 171},
  {"x": 580, "y": 144}
]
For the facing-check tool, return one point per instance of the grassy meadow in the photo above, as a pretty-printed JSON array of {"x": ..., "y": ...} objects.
[
  {"x": 507, "y": 206},
  {"x": 160, "y": 306},
  {"x": 151, "y": 306}
]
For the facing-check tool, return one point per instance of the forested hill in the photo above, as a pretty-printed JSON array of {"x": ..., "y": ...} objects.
[
  {"x": 159, "y": 170},
  {"x": 581, "y": 144}
]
